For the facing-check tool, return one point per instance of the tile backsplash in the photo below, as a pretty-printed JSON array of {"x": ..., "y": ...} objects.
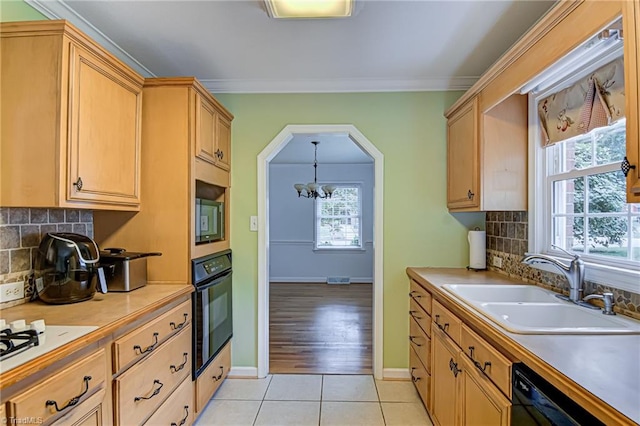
[
  {"x": 21, "y": 230},
  {"x": 507, "y": 238}
]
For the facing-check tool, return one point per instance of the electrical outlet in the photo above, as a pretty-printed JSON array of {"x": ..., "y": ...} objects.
[
  {"x": 253, "y": 226},
  {"x": 11, "y": 291},
  {"x": 497, "y": 261}
]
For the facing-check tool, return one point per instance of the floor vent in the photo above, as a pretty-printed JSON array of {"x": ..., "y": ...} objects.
[{"x": 338, "y": 280}]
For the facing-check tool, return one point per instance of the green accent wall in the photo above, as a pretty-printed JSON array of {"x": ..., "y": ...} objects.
[
  {"x": 410, "y": 130},
  {"x": 18, "y": 10}
]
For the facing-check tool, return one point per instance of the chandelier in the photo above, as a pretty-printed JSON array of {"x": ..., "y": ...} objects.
[{"x": 311, "y": 189}]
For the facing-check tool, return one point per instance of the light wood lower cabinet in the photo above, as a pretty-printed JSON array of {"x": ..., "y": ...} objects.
[
  {"x": 481, "y": 402},
  {"x": 89, "y": 413},
  {"x": 178, "y": 410},
  {"x": 140, "y": 390},
  {"x": 212, "y": 377},
  {"x": 445, "y": 383}
]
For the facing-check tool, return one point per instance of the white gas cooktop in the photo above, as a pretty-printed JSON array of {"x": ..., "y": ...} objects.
[{"x": 50, "y": 337}]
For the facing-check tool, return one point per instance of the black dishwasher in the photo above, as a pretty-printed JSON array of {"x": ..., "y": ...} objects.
[{"x": 538, "y": 402}]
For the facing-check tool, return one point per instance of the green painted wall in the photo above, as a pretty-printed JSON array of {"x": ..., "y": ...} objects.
[
  {"x": 410, "y": 130},
  {"x": 18, "y": 10}
]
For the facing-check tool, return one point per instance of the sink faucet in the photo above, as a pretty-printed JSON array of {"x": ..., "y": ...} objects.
[{"x": 574, "y": 271}]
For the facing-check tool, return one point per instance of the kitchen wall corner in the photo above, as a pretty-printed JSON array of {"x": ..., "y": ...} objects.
[
  {"x": 507, "y": 238},
  {"x": 21, "y": 230}
]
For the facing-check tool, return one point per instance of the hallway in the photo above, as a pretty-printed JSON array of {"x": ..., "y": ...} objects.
[{"x": 318, "y": 328}]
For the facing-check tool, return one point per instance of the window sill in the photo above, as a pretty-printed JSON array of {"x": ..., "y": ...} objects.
[
  {"x": 610, "y": 276},
  {"x": 340, "y": 250}
]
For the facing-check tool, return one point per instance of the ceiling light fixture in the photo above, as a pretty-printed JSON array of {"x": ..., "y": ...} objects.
[
  {"x": 309, "y": 8},
  {"x": 311, "y": 189}
]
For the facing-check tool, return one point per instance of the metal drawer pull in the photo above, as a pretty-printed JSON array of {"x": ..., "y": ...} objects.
[
  {"x": 148, "y": 348},
  {"x": 179, "y": 326},
  {"x": 413, "y": 341},
  {"x": 442, "y": 327},
  {"x": 414, "y": 378},
  {"x": 175, "y": 369},
  {"x": 216, "y": 378},
  {"x": 453, "y": 366},
  {"x": 184, "y": 419},
  {"x": 154, "y": 393},
  {"x": 413, "y": 314},
  {"x": 415, "y": 295},
  {"x": 73, "y": 401},
  {"x": 476, "y": 363}
]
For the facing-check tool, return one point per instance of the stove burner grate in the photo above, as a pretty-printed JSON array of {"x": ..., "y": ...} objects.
[{"x": 13, "y": 343}]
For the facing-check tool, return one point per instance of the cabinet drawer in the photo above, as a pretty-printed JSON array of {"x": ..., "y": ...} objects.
[
  {"x": 421, "y": 343},
  {"x": 420, "y": 316},
  {"x": 178, "y": 409},
  {"x": 488, "y": 360},
  {"x": 420, "y": 377},
  {"x": 421, "y": 296},
  {"x": 140, "y": 390},
  {"x": 447, "y": 322},
  {"x": 90, "y": 413},
  {"x": 137, "y": 344},
  {"x": 212, "y": 377},
  {"x": 82, "y": 379}
]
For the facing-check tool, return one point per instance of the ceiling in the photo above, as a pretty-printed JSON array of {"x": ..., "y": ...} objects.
[
  {"x": 233, "y": 46},
  {"x": 332, "y": 149}
]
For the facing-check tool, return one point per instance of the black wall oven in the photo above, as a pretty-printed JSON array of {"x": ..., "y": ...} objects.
[{"x": 212, "y": 311}]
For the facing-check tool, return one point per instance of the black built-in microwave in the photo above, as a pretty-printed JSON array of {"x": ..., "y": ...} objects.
[{"x": 209, "y": 221}]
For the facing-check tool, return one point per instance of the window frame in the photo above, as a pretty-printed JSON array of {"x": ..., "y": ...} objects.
[
  {"x": 359, "y": 248},
  {"x": 599, "y": 270}
]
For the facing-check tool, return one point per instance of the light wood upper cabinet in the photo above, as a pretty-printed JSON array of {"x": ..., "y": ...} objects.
[
  {"x": 71, "y": 121},
  {"x": 462, "y": 157},
  {"x": 631, "y": 25},
  {"x": 487, "y": 156},
  {"x": 213, "y": 132}
]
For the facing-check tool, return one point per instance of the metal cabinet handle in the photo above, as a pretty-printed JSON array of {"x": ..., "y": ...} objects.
[
  {"x": 413, "y": 314},
  {"x": 221, "y": 155},
  {"x": 78, "y": 183},
  {"x": 184, "y": 419},
  {"x": 626, "y": 166},
  {"x": 154, "y": 393},
  {"x": 442, "y": 327},
  {"x": 470, "y": 195},
  {"x": 179, "y": 326},
  {"x": 175, "y": 369},
  {"x": 414, "y": 379},
  {"x": 479, "y": 366},
  {"x": 413, "y": 341},
  {"x": 453, "y": 366},
  {"x": 149, "y": 348},
  {"x": 219, "y": 376},
  {"x": 73, "y": 401},
  {"x": 415, "y": 295}
]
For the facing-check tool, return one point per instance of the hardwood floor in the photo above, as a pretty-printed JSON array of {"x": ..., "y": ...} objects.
[{"x": 320, "y": 328}]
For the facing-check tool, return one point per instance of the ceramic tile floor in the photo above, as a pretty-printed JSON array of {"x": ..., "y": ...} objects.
[{"x": 305, "y": 399}]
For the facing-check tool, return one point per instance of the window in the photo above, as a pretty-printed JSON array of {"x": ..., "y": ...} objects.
[
  {"x": 339, "y": 219},
  {"x": 589, "y": 214}
]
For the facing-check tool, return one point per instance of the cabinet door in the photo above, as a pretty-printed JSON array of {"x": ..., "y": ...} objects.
[
  {"x": 223, "y": 143},
  {"x": 462, "y": 158},
  {"x": 206, "y": 119},
  {"x": 445, "y": 377},
  {"x": 481, "y": 401},
  {"x": 631, "y": 23},
  {"x": 104, "y": 132}
]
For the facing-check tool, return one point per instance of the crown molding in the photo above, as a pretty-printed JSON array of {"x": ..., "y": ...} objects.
[
  {"x": 338, "y": 85},
  {"x": 58, "y": 9}
]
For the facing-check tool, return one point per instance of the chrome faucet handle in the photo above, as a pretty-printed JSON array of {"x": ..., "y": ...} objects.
[{"x": 574, "y": 255}]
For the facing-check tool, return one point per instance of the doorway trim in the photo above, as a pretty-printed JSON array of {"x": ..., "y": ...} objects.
[{"x": 264, "y": 158}]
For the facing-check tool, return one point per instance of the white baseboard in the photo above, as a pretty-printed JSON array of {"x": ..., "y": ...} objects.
[
  {"x": 354, "y": 280},
  {"x": 396, "y": 374},
  {"x": 243, "y": 372}
]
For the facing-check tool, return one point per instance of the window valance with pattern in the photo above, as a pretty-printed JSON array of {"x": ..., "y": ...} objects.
[{"x": 594, "y": 101}]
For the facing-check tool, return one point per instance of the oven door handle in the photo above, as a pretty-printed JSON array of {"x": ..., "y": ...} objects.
[{"x": 216, "y": 281}]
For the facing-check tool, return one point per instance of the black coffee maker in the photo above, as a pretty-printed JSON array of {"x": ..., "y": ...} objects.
[{"x": 66, "y": 268}]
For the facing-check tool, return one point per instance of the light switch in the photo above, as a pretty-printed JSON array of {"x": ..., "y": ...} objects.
[{"x": 254, "y": 223}]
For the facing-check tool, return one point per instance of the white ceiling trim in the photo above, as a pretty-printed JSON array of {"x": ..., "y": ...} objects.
[
  {"x": 58, "y": 9},
  {"x": 338, "y": 85}
]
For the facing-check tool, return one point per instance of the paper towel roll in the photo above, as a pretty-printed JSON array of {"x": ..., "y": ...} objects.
[{"x": 477, "y": 249}]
